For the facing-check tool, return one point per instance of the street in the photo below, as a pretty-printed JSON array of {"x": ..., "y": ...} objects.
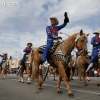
[{"x": 11, "y": 89}]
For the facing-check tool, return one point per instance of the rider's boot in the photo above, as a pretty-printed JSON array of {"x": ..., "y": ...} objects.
[
  {"x": 45, "y": 63},
  {"x": 91, "y": 65}
]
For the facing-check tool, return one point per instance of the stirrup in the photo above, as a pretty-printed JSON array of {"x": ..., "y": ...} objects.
[{"x": 27, "y": 62}]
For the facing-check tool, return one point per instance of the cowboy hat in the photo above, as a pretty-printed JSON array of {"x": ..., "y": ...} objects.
[
  {"x": 29, "y": 43},
  {"x": 54, "y": 18},
  {"x": 97, "y": 31}
]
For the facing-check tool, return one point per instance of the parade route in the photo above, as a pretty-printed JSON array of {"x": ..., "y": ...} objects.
[{"x": 11, "y": 89}]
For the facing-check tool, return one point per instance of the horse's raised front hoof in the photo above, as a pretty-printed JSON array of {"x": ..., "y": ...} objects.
[
  {"x": 86, "y": 84},
  {"x": 98, "y": 84},
  {"x": 59, "y": 92},
  {"x": 71, "y": 95},
  {"x": 88, "y": 80}
]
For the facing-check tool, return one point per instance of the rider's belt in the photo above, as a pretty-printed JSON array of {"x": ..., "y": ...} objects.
[{"x": 49, "y": 38}]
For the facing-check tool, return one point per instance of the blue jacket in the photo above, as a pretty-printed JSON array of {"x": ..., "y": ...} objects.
[
  {"x": 50, "y": 31},
  {"x": 94, "y": 41},
  {"x": 27, "y": 50}
]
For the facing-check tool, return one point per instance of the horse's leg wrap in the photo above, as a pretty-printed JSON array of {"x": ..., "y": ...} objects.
[{"x": 29, "y": 80}]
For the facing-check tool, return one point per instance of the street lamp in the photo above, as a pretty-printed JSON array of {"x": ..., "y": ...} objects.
[{"x": 19, "y": 53}]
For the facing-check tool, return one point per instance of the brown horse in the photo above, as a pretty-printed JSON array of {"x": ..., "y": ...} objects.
[
  {"x": 4, "y": 69},
  {"x": 82, "y": 64},
  {"x": 26, "y": 67},
  {"x": 78, "y": 40}
]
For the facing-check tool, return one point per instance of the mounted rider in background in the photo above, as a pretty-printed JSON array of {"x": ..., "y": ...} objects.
[
  {"x": 95, "y": 41},
  {"x": 27, "y": 51},
  {"x": 52, "y": 33},
  {"x": 4, "y": 58}
]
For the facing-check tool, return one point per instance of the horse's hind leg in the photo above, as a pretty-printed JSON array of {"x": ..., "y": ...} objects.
[
  {"x": 41, "y": 77},
  {"x": 54, "y": 73},
  {"x": 21, "y": 75},
  {"x": 64, "y": 76},
  {"x": 29, "y": 73},
  {"x": 36, "y": 65},
  {"x": 58, "y": 84},
  {"x": 2, "y": 73},
  {"x": 71, "y": 74},
  {"x": 83, "y": 76}
]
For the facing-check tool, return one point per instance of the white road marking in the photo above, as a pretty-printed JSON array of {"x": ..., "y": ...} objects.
[
  {"x": 65, "y": 88},
  {"x": 74, "y": 89}
]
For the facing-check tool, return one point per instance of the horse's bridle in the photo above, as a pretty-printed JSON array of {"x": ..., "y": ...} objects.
[{"x": 77, "y": 39}]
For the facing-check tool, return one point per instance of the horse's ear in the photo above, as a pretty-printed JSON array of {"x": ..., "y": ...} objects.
[
  {"x": 81, "y": 32},
  {"x": 88, "y": 34}
]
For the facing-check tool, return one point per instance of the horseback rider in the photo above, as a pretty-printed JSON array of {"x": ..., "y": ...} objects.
[
  {"x": 4, "y": 58},
  {"x": 52, "y": 33},
  {"x": 95, "y": 41},
  {"x": 27, "y": 51}
]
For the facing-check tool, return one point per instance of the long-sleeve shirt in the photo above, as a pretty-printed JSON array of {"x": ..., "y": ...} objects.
[
  {"x": 27, "y": 50},
  {"x": 94, "y": 41},
  {"x": 53, "y": 31},
  {"x": 3, "y": 57}
]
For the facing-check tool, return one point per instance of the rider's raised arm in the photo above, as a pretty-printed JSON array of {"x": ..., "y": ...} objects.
[
  {"x": 66, "y": 20},
  {"x": 61, "y": 26},
  {"x": 1, "y": 55}
]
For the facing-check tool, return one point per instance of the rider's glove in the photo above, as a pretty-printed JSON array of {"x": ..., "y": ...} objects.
[
  {"x": 66, "y": 19},
  {"x": 96, "y": 43},
  {"x": 54, "y": 37},
  {"x": 60, "y": 38}
]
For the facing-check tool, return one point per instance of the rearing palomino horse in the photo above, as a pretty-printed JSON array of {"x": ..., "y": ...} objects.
[{"x": 78, "y": 40}]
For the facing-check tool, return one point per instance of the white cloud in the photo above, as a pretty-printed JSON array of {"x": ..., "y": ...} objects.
[{"x": 27, "y": 21}]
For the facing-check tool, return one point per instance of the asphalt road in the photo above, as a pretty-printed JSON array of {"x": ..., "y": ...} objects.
[{"x": 11, "y": 89}]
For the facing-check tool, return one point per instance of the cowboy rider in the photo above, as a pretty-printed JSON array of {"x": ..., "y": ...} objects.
[
  {"x": 52, "y": 32},
  {"x": 4, "y": 58},
  {"x": 27, "y": 51},
  {"x": 95, "y": 41}
]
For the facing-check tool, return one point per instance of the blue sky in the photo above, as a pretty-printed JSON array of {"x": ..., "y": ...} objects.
[{"x": 26, "y": 22}]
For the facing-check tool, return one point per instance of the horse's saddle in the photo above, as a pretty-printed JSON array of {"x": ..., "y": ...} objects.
[{"x": 42, "y": 48}]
